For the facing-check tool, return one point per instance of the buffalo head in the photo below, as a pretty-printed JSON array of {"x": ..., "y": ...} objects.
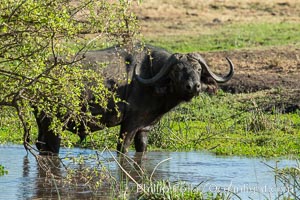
[{"x": 188, "y": 75}]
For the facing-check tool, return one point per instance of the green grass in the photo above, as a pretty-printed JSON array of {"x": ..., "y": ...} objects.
[
  {"x": 232, "y": 36},
  {"x": 229, "y": 124}
]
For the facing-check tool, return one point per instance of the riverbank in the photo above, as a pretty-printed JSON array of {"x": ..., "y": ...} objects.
[{"x": 225, "y": 124}]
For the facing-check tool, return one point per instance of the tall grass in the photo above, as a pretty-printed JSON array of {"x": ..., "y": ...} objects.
[{"x": 288, "y": 181}]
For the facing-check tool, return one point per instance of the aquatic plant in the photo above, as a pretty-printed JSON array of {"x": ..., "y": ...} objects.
[
  {"x": 288, "y": 180},
  {"x": 3, "y": 171}
]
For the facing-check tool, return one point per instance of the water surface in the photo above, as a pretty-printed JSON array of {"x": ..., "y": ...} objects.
[{"x": 247, "y": 177}]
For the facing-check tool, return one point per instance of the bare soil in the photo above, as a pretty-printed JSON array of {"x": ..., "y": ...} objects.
[
  {"x": 187, "y": 17},
  {"x": 276, "y": 69},
  {"x": 266, "y": 68}
]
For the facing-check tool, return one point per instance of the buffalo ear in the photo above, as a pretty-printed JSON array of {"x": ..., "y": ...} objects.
[{"x": 209, "y": 85}]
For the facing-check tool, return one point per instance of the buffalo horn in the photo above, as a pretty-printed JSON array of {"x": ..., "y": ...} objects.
[
  {"x": 219, "y": 79},
  {"x": 164, "y": 70}
]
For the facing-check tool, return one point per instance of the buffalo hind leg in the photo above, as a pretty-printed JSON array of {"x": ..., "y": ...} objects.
[{"x": 48, "y": 142}]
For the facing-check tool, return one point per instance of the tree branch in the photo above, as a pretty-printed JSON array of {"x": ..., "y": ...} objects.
[
  {"x": 14, "y": 75},
  {"x": 15, "y": 10},
  {"x": 5, "y": 103},
  {"x": 26, "y": 129}
]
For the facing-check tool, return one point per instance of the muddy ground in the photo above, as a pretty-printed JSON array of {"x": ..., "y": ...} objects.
[
  {"x": 263, "y": 68},
  {"x": 276, "y": 69}
]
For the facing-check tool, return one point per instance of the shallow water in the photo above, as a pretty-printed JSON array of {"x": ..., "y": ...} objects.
[{"x": 247, "y": 177}]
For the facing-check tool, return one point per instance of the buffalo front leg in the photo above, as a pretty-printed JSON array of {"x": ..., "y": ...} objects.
[
  {"x": 124, "y": 141},
  {"x": 141, "y": 140},
  {"x": 127, "y": 133}
]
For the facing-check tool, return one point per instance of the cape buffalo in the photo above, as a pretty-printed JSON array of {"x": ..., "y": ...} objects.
[{"x": 157, "y": 81}]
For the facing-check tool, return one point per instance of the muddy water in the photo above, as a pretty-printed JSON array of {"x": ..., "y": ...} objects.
[{"x": 248, "y": 177}]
